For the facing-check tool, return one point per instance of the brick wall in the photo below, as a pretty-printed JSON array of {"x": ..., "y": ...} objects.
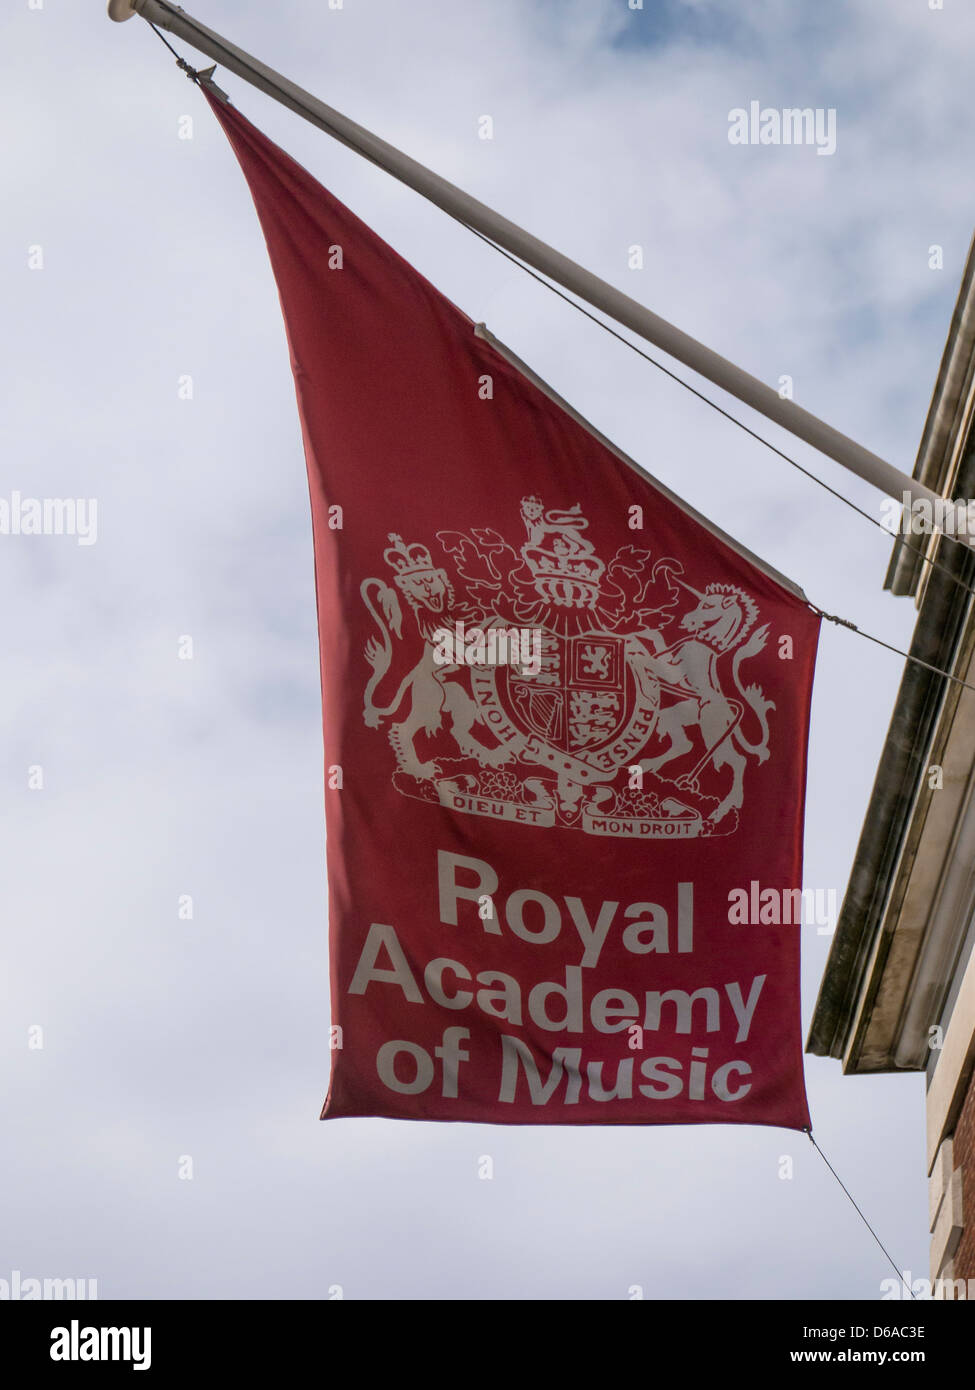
[{"x": 964, "y": 1158}]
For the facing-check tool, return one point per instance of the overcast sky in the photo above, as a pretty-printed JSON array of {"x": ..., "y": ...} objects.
[{"x": 208, "y": 1038}]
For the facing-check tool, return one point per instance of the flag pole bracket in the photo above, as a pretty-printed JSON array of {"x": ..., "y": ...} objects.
[
  {"x": 205, "y": 79},
  {"x": 121, "y": 10}
]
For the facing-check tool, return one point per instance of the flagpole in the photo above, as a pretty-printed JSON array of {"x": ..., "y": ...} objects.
[{"x": 601, "y": 295}]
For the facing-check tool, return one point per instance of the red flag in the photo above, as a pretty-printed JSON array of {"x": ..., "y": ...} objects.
[{"x": 565, "y": 728}]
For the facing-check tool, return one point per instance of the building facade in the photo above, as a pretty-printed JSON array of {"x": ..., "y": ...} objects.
[{"x": 898, "y": 992}]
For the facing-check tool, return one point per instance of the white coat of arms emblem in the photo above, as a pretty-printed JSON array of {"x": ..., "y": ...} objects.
[{"x": 631, "y": 721}]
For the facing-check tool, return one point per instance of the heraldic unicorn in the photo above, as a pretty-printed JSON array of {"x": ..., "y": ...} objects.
[{"x": 630, "y": 719}]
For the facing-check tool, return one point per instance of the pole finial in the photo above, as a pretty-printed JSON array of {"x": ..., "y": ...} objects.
[{"x": 121, "y": 10}]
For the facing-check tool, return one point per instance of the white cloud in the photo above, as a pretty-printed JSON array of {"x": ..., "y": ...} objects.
[{"x": 163, "y": 777}]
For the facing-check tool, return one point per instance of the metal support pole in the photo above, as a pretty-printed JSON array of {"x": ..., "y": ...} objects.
[{"x": 601, "y": 295}]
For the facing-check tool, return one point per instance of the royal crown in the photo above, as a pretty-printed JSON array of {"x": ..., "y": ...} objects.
[
  {"x": 407, "y": 559},
  {"x": 565, "y": 568}
]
